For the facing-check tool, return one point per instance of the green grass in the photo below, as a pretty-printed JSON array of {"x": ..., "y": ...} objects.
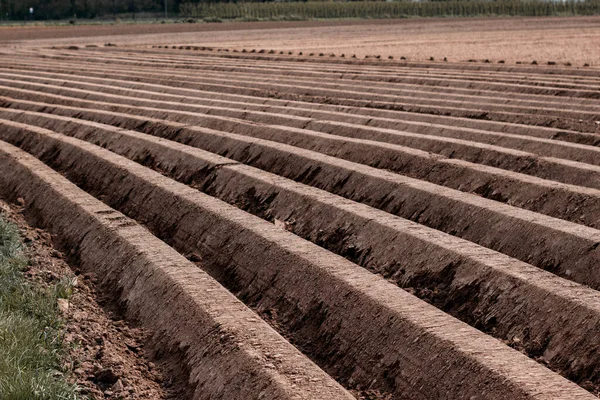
[{"x": 30, "y": 329}]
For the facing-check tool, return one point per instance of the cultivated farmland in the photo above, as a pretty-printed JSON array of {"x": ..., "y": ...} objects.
[{"x": 296, "y": 226}]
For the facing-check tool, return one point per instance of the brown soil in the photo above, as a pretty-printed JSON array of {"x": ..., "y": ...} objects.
[
  {"x": 213, "y": 342},
  {"x": 415, "y": 229},
  {"x": 313, "y": 215},
  {"x": 322, "y": 299},
  {"x": 445, "y": 210},
  {"x": 106, "y": 354}
]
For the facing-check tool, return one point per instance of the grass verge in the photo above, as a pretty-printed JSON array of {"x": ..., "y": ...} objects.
[{"x": 30, "y": 328}]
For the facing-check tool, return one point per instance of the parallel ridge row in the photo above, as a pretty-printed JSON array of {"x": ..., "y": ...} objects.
[
  {"x": 470, "y": 229},
  {"x": 349, "y": 94},
  {"x": 342, "y": 311},
  {"x": 190, "y": 314}
]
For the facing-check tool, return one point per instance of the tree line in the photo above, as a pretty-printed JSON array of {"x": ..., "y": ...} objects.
[
  {"x": 250, "y": 9},
  {"x": 74, "y": 9},
  {"x": 384, "y": 9},
  {"x": 89, "y": 9}
]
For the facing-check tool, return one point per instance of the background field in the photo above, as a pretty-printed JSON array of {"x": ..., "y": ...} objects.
[{"x": 559, "y": 39}]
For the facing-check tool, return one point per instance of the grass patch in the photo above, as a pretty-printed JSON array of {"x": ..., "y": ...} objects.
[{"x": 30, "y": 328}]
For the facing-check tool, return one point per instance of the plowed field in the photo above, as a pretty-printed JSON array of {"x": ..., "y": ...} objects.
[{"x": 314, "y": 227}]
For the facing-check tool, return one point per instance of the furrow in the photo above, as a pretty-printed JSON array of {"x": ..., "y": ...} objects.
[
  {"x": 558, "y": 246},
  {"x": 431, "y": 66},
  {"x": 529, "y": 87},
  {"x": 437, "y": 92},
  {"x": 581, "y": 121},
  {"x": 345, "y": 313},
  {"x": 550, "y": 168},
  {"x": 454, "y": 142},
  {"x": 418, "y": 123},
  {"x": 515, "y": 140},
  {"x": 228, "y": 351},
  {"x": 418, "y": 76},
  {"x": 384, "y": 70},
  {"x": 569, "y": 202},
  {"x": 382, "y": 66},
  {"x": 479, "y": 286}
]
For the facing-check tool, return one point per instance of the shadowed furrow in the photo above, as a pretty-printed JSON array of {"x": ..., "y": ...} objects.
[{"x": 401, "y": 224}]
